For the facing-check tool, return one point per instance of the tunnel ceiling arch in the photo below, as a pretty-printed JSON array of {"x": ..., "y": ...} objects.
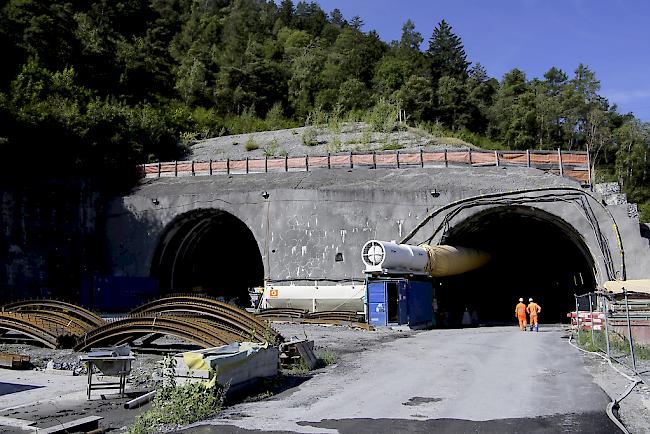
[
  {"x": 208, "y": 251},
  {"x": 534, "y": 254}
]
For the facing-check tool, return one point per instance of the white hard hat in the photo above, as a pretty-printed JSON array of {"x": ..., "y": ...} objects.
[
  {"x": 530, "y": 299},
  {"x": 521, "y": 299}
]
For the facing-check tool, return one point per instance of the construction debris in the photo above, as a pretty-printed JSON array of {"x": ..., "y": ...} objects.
[
  {"x": 237, "y": 364},
  {"x": 14, "y": 361},
  {"x": 292, "y": 352}
]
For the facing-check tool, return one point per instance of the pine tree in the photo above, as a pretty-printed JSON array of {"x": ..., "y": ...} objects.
[{"x": 446, "y": 55}]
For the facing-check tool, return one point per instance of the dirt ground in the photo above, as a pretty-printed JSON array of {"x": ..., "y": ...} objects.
[{"x": 47, "y": 398}]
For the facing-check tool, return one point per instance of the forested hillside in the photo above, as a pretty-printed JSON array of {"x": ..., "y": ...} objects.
[{"x": 94, "y": 87}]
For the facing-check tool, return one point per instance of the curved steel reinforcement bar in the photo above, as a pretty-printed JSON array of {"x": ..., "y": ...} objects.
[
  {"x": 185, "y": 328},
  {"x": 46, "y": 333},
  {"x": 73, "y": 324},
  {"x": 30, "y": 305},
  {"x": 229, "y": 315}
]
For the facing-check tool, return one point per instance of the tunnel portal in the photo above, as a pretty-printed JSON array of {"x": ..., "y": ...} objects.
[
  {"x": 211, "y": 252},
  {"x": 533, "y": 255}
]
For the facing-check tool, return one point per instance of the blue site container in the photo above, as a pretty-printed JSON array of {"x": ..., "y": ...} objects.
[
  {"x": 118, "y": 293},
  {"x": 400, "y": 302}
]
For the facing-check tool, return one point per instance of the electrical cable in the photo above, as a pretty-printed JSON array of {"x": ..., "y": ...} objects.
[
  {"x": 614, "y": 404},
  {"x": 520, "y": 197}
]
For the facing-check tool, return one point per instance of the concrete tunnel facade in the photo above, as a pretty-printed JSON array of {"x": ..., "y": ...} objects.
[{"x": 307, "y": 228}]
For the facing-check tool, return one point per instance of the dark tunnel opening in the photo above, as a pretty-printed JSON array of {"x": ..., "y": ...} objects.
[
  {"x": 208, "y": 252},
  {"x": 533, "y": 255}
]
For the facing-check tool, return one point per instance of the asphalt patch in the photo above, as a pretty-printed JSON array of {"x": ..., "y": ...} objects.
[
  {"x": 419, "y": 400},
  {"x": 593, "y": 423}
]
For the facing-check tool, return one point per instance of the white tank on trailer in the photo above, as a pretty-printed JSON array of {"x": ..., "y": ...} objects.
[{"x": 315, "y": 298}]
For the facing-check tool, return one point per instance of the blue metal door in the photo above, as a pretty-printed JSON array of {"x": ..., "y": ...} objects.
[
  {"x": 403, "y": 315},
  {"x": 377, "y": 304}
]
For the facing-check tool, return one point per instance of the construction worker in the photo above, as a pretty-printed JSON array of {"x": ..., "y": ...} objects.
[
  {"x": 520, "y": 314},
  {"x": 533, "y": 309}
]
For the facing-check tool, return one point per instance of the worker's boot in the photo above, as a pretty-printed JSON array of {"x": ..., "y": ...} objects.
[
  {"x": 531, "y": 327},
  {"x": 536, "y": 327}
]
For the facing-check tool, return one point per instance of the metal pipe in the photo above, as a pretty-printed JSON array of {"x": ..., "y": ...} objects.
[{"x": 629, "y": 332}]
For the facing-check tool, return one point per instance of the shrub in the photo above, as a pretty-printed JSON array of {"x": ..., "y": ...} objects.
[
  {"x": 271, "y": 148},
  {"x": 179, "y": 405},
  {"x": 310, "y": 137},
  {"x": 251, "y": 144},
  {"x": 383, "y": 117}
]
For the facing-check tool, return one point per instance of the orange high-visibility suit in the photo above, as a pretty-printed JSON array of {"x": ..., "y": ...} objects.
[
  {"x": 533, "y": 309},
  {"x": 520, "y": 313}
]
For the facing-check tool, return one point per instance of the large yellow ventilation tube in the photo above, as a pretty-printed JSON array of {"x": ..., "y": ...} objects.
[{"x": 436, "y": 261}]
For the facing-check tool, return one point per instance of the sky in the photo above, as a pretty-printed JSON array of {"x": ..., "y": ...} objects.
[{"x": 612, "y": 37}]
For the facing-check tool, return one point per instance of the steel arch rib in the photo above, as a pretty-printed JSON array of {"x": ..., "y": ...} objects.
[{"x": 138, "y": 326}]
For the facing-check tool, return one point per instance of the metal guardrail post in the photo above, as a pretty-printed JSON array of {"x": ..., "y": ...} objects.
[
  {"x": 527, "y": 157},
  {"x": 591, "y": 315},
  {"x": 351, "y": 164},
  {"x": 470, "y": 156},
  {"x": 629, "y": 331},
  {"x": 266, "y": 164},
  {"x": 210, "y": 166},
  {"x": 329, "y": 165},
  {"x": 193, "y": 173},
  {"x": 496, "y": 158},
  {"x": 559, "y": 160},
  {"x": 397, "y": 153},
  {"x": 307, "y": 162},
  {"x": 159, "y": 168},
  {"x": 246, "y": 164},
  {"x": 446, "y": 161},
  {"x": 606, "y": 309},
  {"x": 577, "y": 318},
  {"x": 228, "y": 166},
  {"x": 421, "y": 159},
  {"x": 374, "y": 159},
  {"x": 175, "y": 168}
]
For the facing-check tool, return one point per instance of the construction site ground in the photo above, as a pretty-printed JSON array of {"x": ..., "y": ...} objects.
[{"x": 494, "y": 379}]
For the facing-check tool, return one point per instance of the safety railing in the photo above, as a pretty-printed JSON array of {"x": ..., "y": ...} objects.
[
  {"x": 618, "y": 326},
  {"x": 571, "y": 164}
]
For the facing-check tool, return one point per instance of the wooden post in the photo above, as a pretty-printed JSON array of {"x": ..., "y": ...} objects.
[
  {"x": 328, "y": 161},
  {"x": 496, "y": 158},
  {"x": 351, "y": 164},
  {"x": 421, "y": 159},
  {"x": 470, "y": 156},
  {"x": 228, "y": 166},
  {"x": 246, "y": 164},
  {"x": 528, "y": 157},
  {"x": 266, "y": 164},
  {"x": 397, "y": 153},
  {"x": 159, "y": 169},
  {"x": 175, "y": 168},
  {"x": 559, "y": 160},
  {"x": 446, "y": 161},
  {"x": 374, "y": 159},
  {"x": 286, "y": 162},
  {"x": 210, "y": 167},
  {"x": 307, "y": 162},
  {"x": 193, "y": 173}
]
